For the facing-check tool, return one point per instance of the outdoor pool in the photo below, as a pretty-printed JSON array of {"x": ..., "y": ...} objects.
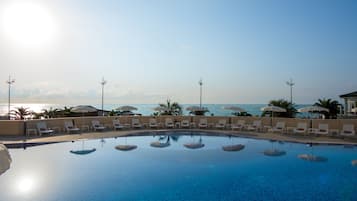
[{"x": 54, "y": 173}]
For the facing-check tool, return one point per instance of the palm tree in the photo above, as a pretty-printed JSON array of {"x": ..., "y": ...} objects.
[
  {"x": 65, "y": 112},
  {"x": 112, "y": 113},
  {"x": 290, "y": 108},
  {"x": 170, "y": 108},
  {"x": 50, "y": 113},
  {"x": 330, "y": 104},
  {"x": 21, "y": 112}
]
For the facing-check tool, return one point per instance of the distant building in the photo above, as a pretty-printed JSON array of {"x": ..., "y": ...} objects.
[{"x": 350, "y": 102}]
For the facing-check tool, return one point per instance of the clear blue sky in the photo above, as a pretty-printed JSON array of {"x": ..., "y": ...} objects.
[{"x": 151, "y": 50}]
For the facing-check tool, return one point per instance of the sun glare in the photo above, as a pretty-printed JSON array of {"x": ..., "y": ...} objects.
[
  {"x": 26, "y": 185},
  {"x": 28, "y": 24}
]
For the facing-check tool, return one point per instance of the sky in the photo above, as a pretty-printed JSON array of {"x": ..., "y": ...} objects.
[{"x": 148, "y": 51}]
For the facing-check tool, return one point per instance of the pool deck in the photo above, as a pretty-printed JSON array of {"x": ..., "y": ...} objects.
[{"x": 331, "y": 140}]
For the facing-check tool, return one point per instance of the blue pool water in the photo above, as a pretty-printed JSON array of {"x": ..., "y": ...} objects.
[{"x": 52, "y": 173}]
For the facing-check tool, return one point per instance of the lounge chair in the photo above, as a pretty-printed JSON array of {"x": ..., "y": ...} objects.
[
  {"x": 135, "y": 123},
  {"x": 42, "y": 128},
  {"x": 256, "y": 126},
  {"x": 97, "y": 126},
  {"x": 185, "y": 124},
  {"x": 169, "y": 123},
  {"x": 117, "y": 125},
  {"x": 301, "y": 128},
  {"x": 203, "y": 123},
  {"x": 279, "y": 127},
  {"x": 239, "y": 125},
  {"x": 348, "y": 130},
  {"x": 221, "y": 124},
  {"x": 153, "y": 123},
  {"x": 322, "y": 130},
  {"x": 70, "y": 128}
]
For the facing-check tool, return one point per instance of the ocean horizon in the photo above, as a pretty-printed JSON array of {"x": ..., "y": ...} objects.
[{"x": 145, "y": 109}]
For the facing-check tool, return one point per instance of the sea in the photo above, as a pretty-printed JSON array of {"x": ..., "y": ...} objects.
[{"x": 145, "y": 109}]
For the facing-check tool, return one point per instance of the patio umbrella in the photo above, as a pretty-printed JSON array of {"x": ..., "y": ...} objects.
[
  {"x": 234, "y": 108},
  {"x": 5, "y": 159},
  {"x": 272, "y": 108},
  {"x": 126, "y": 108},
  {"x": 313, "y": 108},
  {"x": 197, "y": 109},
  {"x": 84, "y": 109}
]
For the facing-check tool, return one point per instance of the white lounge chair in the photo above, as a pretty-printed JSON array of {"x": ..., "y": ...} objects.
[
  {"x": 97, "y": 126},
  {"x": 70, "y": 128},
  {"x": 301, "y": 128},
  {"x": 239, "y": 125},
  {"x": 169, "y": 123},
  {"x": 153, "y": 123},
  {"x": 185, "y": 123},
  {"x": 279, "y": 127},
  {"x": 135, "y": 123},
  {"x": 42, "y": 128},
  {"x": 322, "y": 130},
  {"x": 221, "y": 124},
  {"x": 203, "y": 123},
  {"x": 348, "y": 130},
  {"x": 256, "y": 126},
  {"x": 117, "y": 125}
]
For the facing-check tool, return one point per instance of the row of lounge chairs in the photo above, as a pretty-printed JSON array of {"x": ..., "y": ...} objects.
[
  {"x": 280, "y": 127},
  {"x": 301, "y": 128}
]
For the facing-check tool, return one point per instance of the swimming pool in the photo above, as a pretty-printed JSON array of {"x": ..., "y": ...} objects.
[{"x": 53, "y": 173}]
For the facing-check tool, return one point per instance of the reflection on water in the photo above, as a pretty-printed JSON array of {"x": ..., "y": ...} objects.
[
  {"x": 311, "y": 156},
  {"x": 274, "y": 151},
  {"x": 354, "y": 162},
  {"x": 83, "y": 151},
  {"x": 51, "y": 173},
  {"x": 26, "y": 184}
]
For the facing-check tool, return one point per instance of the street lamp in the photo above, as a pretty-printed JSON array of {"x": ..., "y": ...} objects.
[
  {"x": 200, "y": 83},
  {"x": 291, "y": 84},
  {"x": 9, "y": 82},
  {"x": 103, "y": 82}
]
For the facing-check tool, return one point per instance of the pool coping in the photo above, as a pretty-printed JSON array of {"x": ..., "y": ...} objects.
[{"x": 209, "y": 132}]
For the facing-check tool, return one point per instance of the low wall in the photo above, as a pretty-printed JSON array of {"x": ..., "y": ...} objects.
[
  {"x": 19, "y": 128},
  {"x": 12, "y": 128}
]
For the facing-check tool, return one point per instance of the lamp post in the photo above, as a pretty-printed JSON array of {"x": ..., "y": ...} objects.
[
  {"x": 291, "y": 84},
  {"x": 9, "y": 82},
  {"x": 200, "y": 83},
  {"x": 103, "y": 82}
]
